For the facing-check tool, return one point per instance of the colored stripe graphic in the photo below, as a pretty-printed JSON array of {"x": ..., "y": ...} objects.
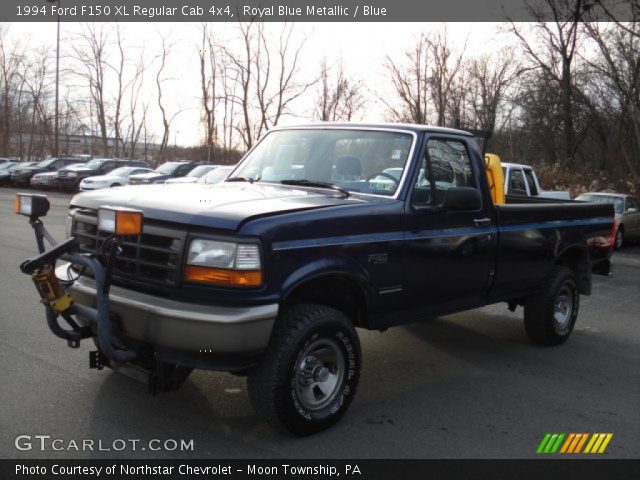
[
  {"x": 550, "y": 443},
  {"x": 581, "y": 442},
  {"x": 573, "y": 443},
  {"x": 598, "y": 443}
]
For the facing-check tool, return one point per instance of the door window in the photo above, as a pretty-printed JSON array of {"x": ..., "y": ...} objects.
[
  {"x": 517, "y": 185},
  {"x": 446, "y": 164}
]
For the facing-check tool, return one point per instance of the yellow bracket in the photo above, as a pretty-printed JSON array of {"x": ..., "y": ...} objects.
[{"x": 62, "y": 303}]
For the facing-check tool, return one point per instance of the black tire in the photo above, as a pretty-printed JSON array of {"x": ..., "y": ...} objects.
[
  {"x": 550, "y": 315},
  {"x": 114, "y": 185},
  {"x": 619, "y": 239},
  {"x": 286, "y": 388}
]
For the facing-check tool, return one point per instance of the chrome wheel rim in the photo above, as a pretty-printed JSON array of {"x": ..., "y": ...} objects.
[
  {"x": 563, "y": 307},
  {"x": 319, "y": 373}
]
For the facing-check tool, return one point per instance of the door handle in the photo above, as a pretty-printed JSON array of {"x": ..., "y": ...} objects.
[{"x": 481, "y": 222}]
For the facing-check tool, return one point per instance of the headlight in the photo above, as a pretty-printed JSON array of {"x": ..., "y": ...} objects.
[
  {"x": 72, "y": 174},
  {"x": 224, "y": 263}
]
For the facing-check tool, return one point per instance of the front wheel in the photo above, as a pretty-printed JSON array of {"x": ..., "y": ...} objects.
[
  {"x": 309, "y": 373},
  {"x": 550, "y": 315}
]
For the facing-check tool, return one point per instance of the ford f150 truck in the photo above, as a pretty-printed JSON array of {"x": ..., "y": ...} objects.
[{"x": 269, "y": 273}]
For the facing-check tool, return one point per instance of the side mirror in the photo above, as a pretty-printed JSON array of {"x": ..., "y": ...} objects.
[
  {"x": 632, "y": 210},
  {"x": 462, "y": 198}
]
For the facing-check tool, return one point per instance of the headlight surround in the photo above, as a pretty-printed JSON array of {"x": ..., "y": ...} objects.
[
  {"x": 221, "y": 262},
  {"x": 220, "y": 254}
]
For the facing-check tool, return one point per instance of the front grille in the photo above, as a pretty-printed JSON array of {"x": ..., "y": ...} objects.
[{"x": 154, "y": 257}]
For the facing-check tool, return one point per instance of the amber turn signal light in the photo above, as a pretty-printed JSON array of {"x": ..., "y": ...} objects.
[
  {"x": 120, "y": 221},
  {"x": 221, "y": 276}
]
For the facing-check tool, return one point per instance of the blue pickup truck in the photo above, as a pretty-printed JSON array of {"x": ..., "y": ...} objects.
[{"x": 319, "y": 230}]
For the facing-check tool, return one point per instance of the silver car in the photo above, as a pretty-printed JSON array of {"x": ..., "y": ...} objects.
[{"x": 627, "y": 211}]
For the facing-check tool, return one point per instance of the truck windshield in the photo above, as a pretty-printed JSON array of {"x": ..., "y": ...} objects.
[{"x": 366, "y": 161}]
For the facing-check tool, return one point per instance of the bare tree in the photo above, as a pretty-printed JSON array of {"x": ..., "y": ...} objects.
[
  {"x": 209, "y": 84},
  {"x": 11, "y": 60},
  {"x": 618, "y": 68},
  {"x": 338, "y": 98},
  {"x": 268, "y": 73},
  {"x": 444, "y": 74},
  {"x": 167, "y": 118},
  {"x": 490, "y": 77},
  {"x": 559, "y": 41},
  {"x": 90, "y": 50},
  {"x": 410, "y": 81}
]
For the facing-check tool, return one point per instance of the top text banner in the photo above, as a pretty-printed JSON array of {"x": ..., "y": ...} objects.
[{"x": 298, "y": 10}]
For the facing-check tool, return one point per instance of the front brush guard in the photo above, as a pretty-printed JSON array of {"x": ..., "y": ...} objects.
[{"x": 69, "y": 251}]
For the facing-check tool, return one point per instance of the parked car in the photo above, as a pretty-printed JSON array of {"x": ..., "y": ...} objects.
[
  {"x": 22, "y": 177},
  {"x": 9, "y": 161},
  {"x": 115, "y": 178},
  {"x": 194, "y": 175},
  {"x": 522, "y": 180},
  {"x": 627, "y": 210},
  {"x": 8, "y": 168},
  {"x": 217, "y": 175},
  {"x": 69, "y": 178},
  {"x": 271, "y": 278},
  {"x": 164, "y": 172},
  {"x": 45, "y": 180}
]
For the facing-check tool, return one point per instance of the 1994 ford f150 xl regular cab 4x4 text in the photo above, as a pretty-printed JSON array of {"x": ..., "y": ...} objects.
[{"x": 319, "y": 230}]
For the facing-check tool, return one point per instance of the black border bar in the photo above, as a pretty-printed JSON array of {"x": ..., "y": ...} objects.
[
  {"x": 542, "y": 469},
  {"x": 304, "y": 11}
]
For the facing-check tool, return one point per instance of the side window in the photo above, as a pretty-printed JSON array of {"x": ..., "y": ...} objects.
[
  {"x": 516, "y": 183},
  {"x": 533, "y": 189},
  {"x": 106, "y": 166},
  {"x": 632, "y": 203},
  {"x": 183, "y": 170},
  {"x": 446, "y": 165}
]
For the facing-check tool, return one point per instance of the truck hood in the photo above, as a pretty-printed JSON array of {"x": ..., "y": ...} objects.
[{"x": 222, "y": 206}]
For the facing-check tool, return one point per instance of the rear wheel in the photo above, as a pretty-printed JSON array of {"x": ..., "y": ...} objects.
[
  {"x": 309, "y": 373},
  {"x": 619, "y": 238},
  {"x": 114, "y": 185},
  {"x": 550, "y": 315}
]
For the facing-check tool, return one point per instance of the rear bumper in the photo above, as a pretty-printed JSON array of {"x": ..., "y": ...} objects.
[{"x": 175, "y": 325}]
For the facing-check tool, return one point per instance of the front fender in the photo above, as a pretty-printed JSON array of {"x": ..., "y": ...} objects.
[{"x": 330, "y": 265}]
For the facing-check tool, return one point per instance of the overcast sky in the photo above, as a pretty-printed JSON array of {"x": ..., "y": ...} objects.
[{"x": 362, "y": 47}]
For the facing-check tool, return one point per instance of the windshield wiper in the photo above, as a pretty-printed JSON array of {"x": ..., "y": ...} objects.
[
  {"x": 315, "y": 183},
  {"x": 240, "y": 179}
]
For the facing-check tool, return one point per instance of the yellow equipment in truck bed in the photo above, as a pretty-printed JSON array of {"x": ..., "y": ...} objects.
[{"x": 495, "y": 177}]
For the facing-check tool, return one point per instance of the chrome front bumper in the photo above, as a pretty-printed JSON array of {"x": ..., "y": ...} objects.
[{"x": 182, "y": 326}]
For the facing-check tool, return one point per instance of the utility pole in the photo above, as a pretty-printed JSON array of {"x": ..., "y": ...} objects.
[{"x": 57, "y": 109}]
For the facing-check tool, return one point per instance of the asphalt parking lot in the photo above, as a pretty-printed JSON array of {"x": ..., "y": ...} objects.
[{"x": 468, "y": 385}]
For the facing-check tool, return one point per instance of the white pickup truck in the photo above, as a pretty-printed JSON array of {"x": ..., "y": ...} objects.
[{"x": 522, "y": 180}]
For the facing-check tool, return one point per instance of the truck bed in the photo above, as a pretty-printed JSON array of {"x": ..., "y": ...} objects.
[{"x": 534, "y": 233}]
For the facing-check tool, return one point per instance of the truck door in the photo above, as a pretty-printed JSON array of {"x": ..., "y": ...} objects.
[{"x": 448, "y": 254}]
